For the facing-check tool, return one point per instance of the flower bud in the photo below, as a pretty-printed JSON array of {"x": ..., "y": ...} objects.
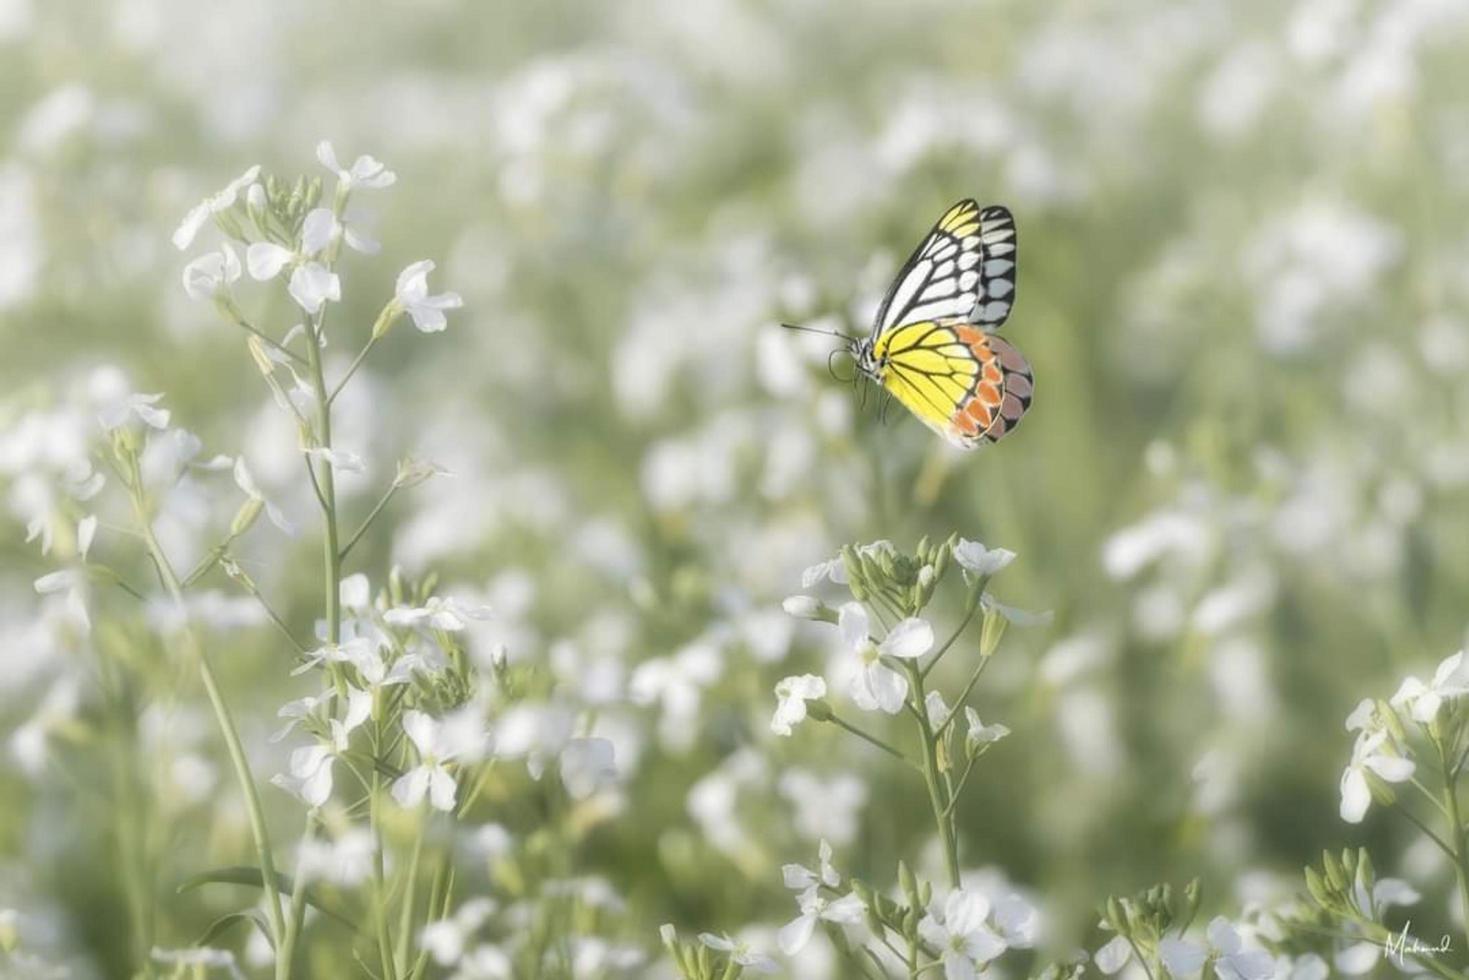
[
  {"x": 908, "y": 884},
  {"x": 818, "y": 710},
  {"x": 991, "y": 632},
  {"x": 245, "y": 516},
  {"x": 385, "y": 320},
  {"x": 808, "y": 607},
  {"x": 412, "y": 472}
]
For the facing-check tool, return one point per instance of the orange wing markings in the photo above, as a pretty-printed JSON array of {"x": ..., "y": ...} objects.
[{"x": 1002, "y": 390}]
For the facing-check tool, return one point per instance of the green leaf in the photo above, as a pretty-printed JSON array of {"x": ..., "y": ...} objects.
[
  {"x": 251, "y": 877},
  {"x": 222, "y": 925}
]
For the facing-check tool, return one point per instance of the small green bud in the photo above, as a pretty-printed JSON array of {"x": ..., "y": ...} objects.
[
  {"x": 906, "y": 882},
  {"x": 1191, "y": 897},
  {"x": 245, "y": 516},
  {"x": 1115, "y": 916},
  {"x": 991, "y": 632},
  {"x": 818, "y": 710},
  {"x": 385, "y": 320},
  {"x": 1319, "y": 889},
  {"x": 925, "y": 894},
  {"x": 808, "y": 607},
  {"x": 1336, "y": 875},
  {"x": 412, "y": 471}
]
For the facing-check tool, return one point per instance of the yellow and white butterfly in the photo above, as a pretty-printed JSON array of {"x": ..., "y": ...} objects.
[{"x": 932, "y": 345}]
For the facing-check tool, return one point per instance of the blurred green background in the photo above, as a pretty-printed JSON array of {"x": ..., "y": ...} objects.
[{"x": 1241, "y": 488}]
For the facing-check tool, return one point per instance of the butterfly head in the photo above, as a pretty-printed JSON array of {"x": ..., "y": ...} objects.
[{"x": 870, "y": 361}]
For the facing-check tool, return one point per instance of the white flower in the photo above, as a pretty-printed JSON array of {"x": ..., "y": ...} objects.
[
  {"x": 346, "y": 861},
  {"x": 1017, "y": 617},
  {"x": 322, "y": 227},
  {"x": 294, "y": 712},
  {"x": 587, "y": 765},
  {"x": 412, "y": 294},
  {"x": 1114, "y": 955},
  {"x": 803, "y": 606},
  {"x": 312, "y": 285},
  {"x": 1231, "y": 960},
  {"x": 878, "y": 685},
  {"x": 446, "y": 939},
  {"x": 739, "y": 953},
  {"x": 364, "y": 172},
  {"x": 142, "y": 407},
  {"x": 791, "y": 694},
  {"x": 960, "y": 933},
  {"x": 1422, "y": 701},
  {"x": 833, "y": 569},
  {"x": 1368, "y": 755},
  {"x": 246, "y": 483},
  {"x": 1017, "y": 922},
  {"x": 430, "y": 775},
  {"x": 439, "y": 613},
  {"x": 799, "y": 877},
  {"x": 210, "y": 206},
  {"x": 355, "y": 592},
  {"x": 311, "y": 765},
  {"x": 937, "y": 710},
  {"x": 980, "y": 733},
  {"x": 794, "y": 935},
  {"x": 341, "y": 460},
  {"x": 86, "y": 531},
  {"x": 211, "y": 272},
  {"x": 975, "y": 557},
  {"x": 72, "y": 582}
]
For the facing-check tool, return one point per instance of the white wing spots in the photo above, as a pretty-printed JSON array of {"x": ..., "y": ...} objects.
[
  {"x": 938, "y": 290},
  {"x": 939, "y": 254},
  {"x": 992, "y": 312},
  {"x": 968, "y": 279},
  {"x": 910, "y": 285},
  {"x": 970, "y": 242},
  {"x": 969, "y": 260},
  {"x": 1001, "y": 248},
  {"x": 944, "y": 269},
  {"x": 996, "y": 267},
  {"x": 941, "y": 309},
  {"x": 1001, "y": 287}
]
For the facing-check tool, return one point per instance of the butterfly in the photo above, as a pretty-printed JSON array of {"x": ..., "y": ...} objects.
[{"x": 932, "y": 344}]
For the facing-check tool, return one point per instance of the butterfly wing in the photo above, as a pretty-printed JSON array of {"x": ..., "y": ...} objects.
[
  {"x": 969, "y": 386},
  {"x": 964, "y": 269}
]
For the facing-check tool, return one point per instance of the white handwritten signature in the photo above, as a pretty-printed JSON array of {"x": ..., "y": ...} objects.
[{"x": 1404, "y": 944}]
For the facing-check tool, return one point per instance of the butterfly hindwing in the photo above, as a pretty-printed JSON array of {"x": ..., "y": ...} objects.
[
  {"x": 964, "y": 269},
  {"x": 969, "y": 386}
]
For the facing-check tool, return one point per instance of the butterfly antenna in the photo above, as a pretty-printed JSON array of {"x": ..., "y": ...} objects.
[{"x": 817, "y": 330}]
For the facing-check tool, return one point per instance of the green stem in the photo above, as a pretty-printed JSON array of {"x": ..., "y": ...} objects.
[
  {"x": 380, "y": 886},
  {"x": 873, "y": 740},
  {"x": 405, "y": 916},
  {"x": 352, "y": 369},
  {"x": 963, "y": 696},
  {"x": 936, "y": 798},
  {"x": 974, "y": 602},
  {"x": 258, "y": 828},
  {"x": 367, "y": 522},
  {"x": 297, "y": 917},
  {"x": 1456, "y": 832}
]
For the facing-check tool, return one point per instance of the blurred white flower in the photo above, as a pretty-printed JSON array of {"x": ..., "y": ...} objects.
[
  {"x": 355, "y": 592},
  {"x": 1113, "y": 955},
  {"x": 446, "y": 939},
  {"x": 211, "y": 272},
  {"x": 803, "y": 607},
  {"x": 201, "y": 958},
  {"x": 86, "y": 531},
  {"x": 1369, "y": 755},
  {"x": 833, "y": 569},
  {"x": 959, "y": 931},
  {"x": 976, "y": 558},
  {"x": 72, "y": 584},
  {"x": 1225, "y": 947},
  {"x": 364, "y": 172},
  {"x": 222, "y": 200},
  {"x": 826, "y": 809},
  {"x": 485, "y": 962},
  {"x": 312, "y": 285},
  {"x": 439, "y": 613},
  {"x": 588, "y": 765},
  {"x": 430, "y": 776},
  {"x": 1422, "y": 701},
  {"x": 341, "y": 460},
  {"x": 246, "y": 482},
  {"x": 412, "y": 294},
  {"x": 345, "y": 861},
  {"x": 295, "y": 712},
  {"x": 798, "y": 877},
  {"x": 739, "y": 953},
  {"x": 791, "y": 694},
  {"x": 878, "y": 685}
]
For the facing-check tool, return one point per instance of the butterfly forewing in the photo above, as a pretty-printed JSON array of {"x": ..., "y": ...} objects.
[{"x": 964, "y": 269}]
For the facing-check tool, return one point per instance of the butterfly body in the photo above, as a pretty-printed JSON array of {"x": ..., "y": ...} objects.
[{"x": 932, "y": 346}]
